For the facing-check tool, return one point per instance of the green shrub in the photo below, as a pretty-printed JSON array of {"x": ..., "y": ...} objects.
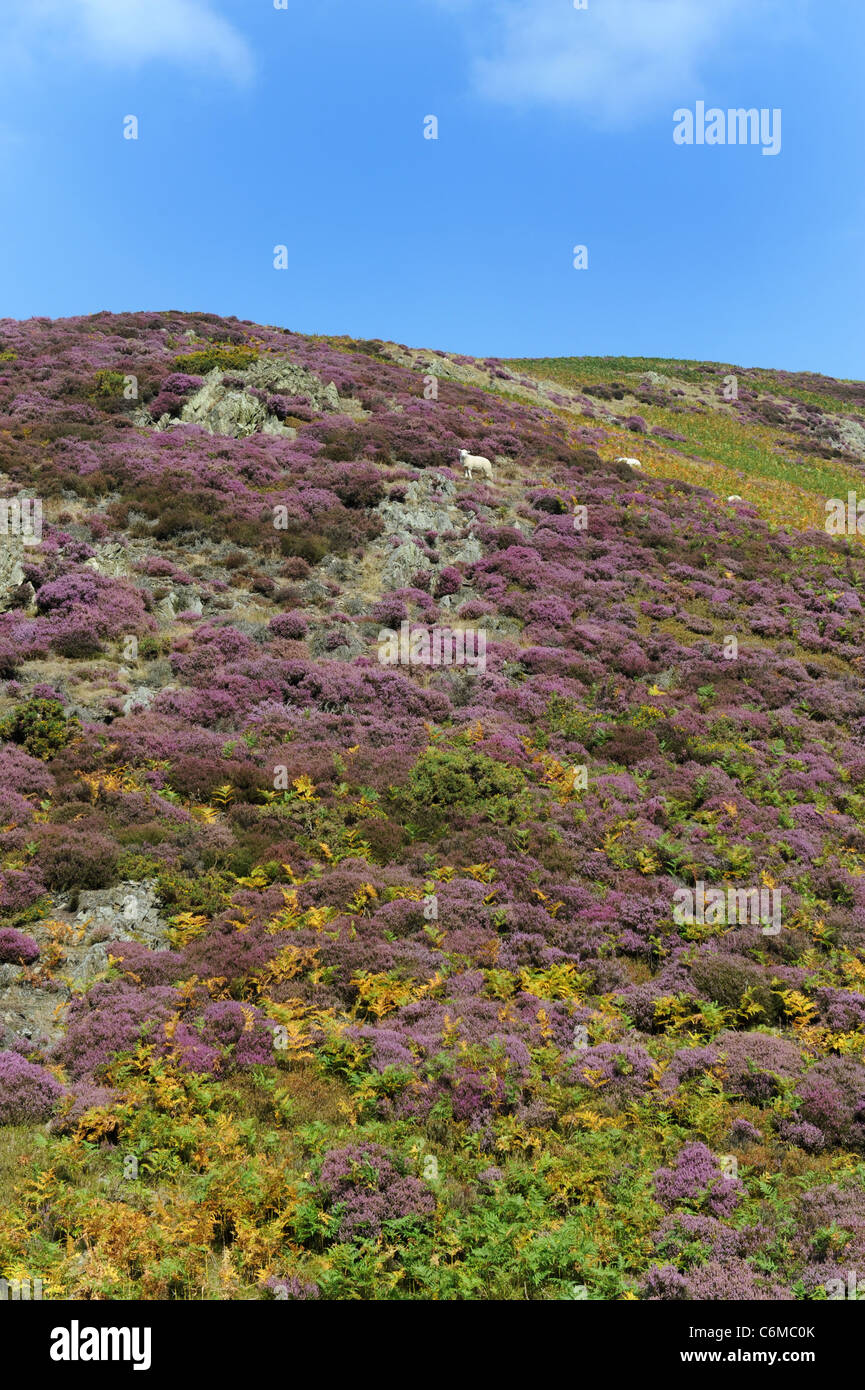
[
  {"x": 40, "y": 726},
  {"x": 108, "y": 384},
  {"x": 224, "y": 355},
  {"x": 727, "y": 981},
  {"x": 564, "y": 716},
  {"x": 467, "y": 781}
]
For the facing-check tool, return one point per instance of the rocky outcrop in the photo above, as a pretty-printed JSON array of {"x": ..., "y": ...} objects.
[
  {"x": 11, "y": 571},
  {"x": 227, "y": 410},
  {"x": 110, "y": 559},
  {"x": 32, "y": 1001},
  {"x": 429, "y": 505},
  {"x": 237, "y": 404}
]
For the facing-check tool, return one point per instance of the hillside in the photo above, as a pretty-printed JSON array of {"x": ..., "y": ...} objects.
[{"x": 324, "y": 977}]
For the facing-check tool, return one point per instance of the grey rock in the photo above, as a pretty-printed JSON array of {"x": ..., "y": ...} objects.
[
  {"x": 31, "y": 1012},
  {"x": 140, "y": 698},
  {"x": 849, "y": 434},
  {"x": 283, "y": 377},
  {"x": 466, "y": 552},
  {"x": 224, "y": 410},
  {"x": 235, "y": 411},
  {"x": 428, "y": 506},
  {"x": 11, "y": 569},
  {"x": 110, "y": 559},
  {"x": 166, "y": 608},
  {"x": 352, "y": 646},
  {"x": 126, "y": 912},
  {"x": 130, "y": 912},
  {"x": 403, "y": 562},
  {"x": 334, "y": 565},
  {"x": 93, "y": 963}
]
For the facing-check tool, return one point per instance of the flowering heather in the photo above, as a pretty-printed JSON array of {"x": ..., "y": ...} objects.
[
  {"x": 367, "y": 1189},
  {"x": 28, "y": 1093},
  {"x": 16, "y": 948},
  {"x": 696, "y": 1178},
  {"x": 292, "y": 1289},
  {"x": 110, "y": 1019},
  {"x": 384, "y": 958}
]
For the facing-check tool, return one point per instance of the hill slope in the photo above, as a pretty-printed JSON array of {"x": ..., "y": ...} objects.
[{"x": 345, "y": 979}]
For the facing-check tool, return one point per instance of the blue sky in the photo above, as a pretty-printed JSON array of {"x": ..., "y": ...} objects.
[{"x": 304, "y": 126}]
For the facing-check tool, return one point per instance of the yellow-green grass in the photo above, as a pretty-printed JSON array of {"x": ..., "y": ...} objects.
[{"x": 730, "y": 455}]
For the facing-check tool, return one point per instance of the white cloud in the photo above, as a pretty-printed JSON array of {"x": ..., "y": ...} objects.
[
  {"x": 188, "y": 32},
  {"x": 611, "y": 60}
]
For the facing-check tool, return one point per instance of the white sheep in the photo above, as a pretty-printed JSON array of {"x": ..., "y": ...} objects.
[
  {"x": 632, "y": 463},
  {"x": 470, "y": 461},
  {"x": 735, "y": 498}
]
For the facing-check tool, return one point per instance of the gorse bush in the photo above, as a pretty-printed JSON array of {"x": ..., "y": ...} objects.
[
  {"x": 228, "y": 356},
  {"x": 40, "y": 726}
]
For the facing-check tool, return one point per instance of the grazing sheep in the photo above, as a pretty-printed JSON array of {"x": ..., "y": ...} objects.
[
  {"x": 632, "y": 463},
  {"x": 475, "y": 461},
  {"x": 735, "y": 498}
]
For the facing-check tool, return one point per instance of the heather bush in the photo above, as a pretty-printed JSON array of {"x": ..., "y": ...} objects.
[
  {"x": 110, "y": 1019},
  {"x": 292, "y": 1289},
  {"x": 293, "y": 625},
  {"x": 28, "y": 1093},
  {"x": 734, "y": 1281},
  {"x": 75, "y": 1105},
  {"x": 696, "y": 1179},
  {"x": 449, "y": 581},
  {"x": 757, "y": 1064},
  {"x": 20, "y": 889},
  {"x": 366, "y": 1188},
  {"x": 622, "y": 1073},
  {"x": 833, "y": 1101},
  {"x": 85, "y": 607},
  {"x": 16, "y": 948},
  {"x": 70, "y": 858},
  {"x": 27, "y": 774},
  {"x": 142, "y": 966}
]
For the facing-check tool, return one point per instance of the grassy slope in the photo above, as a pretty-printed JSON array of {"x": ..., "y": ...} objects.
[{"x": 721, "y": 452}]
